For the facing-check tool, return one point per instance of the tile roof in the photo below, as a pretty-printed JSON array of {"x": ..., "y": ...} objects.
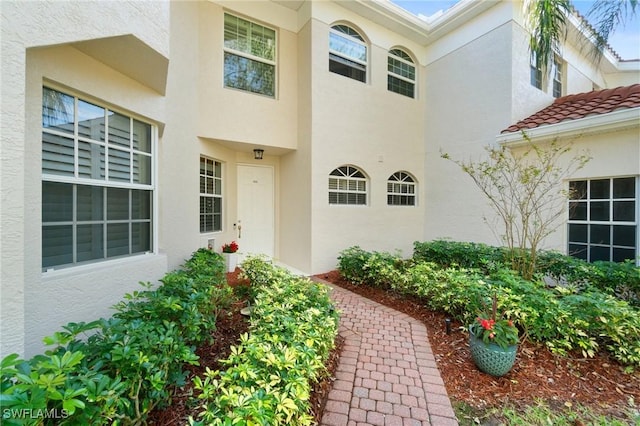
[{"x": 581, "y": 105}]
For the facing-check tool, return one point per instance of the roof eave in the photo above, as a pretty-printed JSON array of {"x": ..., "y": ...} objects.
[{"x": 610, "y": 122}]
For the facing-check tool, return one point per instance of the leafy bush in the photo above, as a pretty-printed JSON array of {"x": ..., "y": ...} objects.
[
  {"x": 269, "y": 374},
  {"x": 129, "y": 363},
  {"x": 462, "y": 254},
  {"x": 565, "y": 319}
]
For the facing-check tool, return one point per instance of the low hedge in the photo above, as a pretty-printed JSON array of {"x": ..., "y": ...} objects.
[
  {"x": 621, "y": 280},
  {"x": 565, "y": 319},
  {"x": 269, "y": 375},
  {"x": 129, "y": 363}
]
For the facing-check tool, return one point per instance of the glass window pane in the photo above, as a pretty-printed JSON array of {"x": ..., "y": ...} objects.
[
  {"x": 140, "y": 237},
  {"x": 90, "y": 203},
  {"x": 140, "y": 204},
  {"x": 209, "y": 185},
  {"x": 141, "y": 136},
  {"x": 117, "y": 204},
  {"x": 90, "y": 121},
  {"x": 624, "y": 235},
  {"x": 246, "y": 74},
  {"x": 57, "y": 202},
  {"x": 579, "y": 251},
  {"x": 347, "y": 47},
  {"x": 624, "y": 188},
  {"x": 119, "y": 167},
  {"x": 218, "y": 169},
  {"x": 578, "y": 190},
  {"x": 142, "y": 169},
  {"x": 57, "y": 111},
  {"x": 117, "y": 239},
  {"x": 578, "y": 233},
  {"x": 577, "y": 210},
  {"x": 600, "y": 188},
  {"x": 119, "y": 131},
  {"x": 600, "y": 234},
  {"x": 57, "y": 155},
  {"x": 621, "y": 254},
  {"x": 599, "y": 253},
  {"x": 217, "y": 187},
  {"x": 624, "y": 211},
  {"x": 57, "y": 245},
  {"x": 90, "y": 242},
  {"x": 600, "y": 210},
  {"x": 91, "y": 160},
  {"x": 203, "y": 185}
]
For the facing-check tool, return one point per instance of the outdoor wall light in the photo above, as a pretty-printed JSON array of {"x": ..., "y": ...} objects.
[{"x": 257, "y": 154}]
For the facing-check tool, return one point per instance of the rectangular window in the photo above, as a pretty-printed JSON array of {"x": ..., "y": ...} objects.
[
  {"x": 210, "y": 195},
  {"x": 97, "y": 187},
  {"x": 556, "y": 72},
  {"x": 536, "y": 72},
  {"x": 603, "y": 219},
  {"x": 249, "y": 56}
]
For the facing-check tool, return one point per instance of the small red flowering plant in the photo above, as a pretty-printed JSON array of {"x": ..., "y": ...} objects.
[
  {"x": 231, "y": 247},
  {"x": 490, "y": 329}
]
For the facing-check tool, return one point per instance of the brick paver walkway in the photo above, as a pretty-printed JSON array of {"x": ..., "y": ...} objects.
[{"x": 387, "y": 374}]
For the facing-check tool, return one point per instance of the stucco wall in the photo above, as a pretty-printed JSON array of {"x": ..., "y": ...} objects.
[
  {"x": 27, "y": 28},
  {"x": 365, "y": 125}
]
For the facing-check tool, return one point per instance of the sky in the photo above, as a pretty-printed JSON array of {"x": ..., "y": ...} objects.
[{"x": 625, "y": 41}]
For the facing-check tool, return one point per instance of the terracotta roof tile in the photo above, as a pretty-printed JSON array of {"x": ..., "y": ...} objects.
[{"x": 581, "y": 105}]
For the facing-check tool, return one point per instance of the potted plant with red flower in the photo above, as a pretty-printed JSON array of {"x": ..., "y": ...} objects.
[
  {"x": 230, "y": 256},
  {"x": 493, "y": 342}
]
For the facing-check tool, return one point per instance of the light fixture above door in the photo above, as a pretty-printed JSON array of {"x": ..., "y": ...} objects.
[{"x": 258, "y": 153}]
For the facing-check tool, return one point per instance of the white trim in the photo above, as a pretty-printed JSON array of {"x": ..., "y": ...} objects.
[{"x": 612, "y": 121}]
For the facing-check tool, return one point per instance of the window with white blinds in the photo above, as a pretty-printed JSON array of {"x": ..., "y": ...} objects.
[{"x": 97, "y": 182}]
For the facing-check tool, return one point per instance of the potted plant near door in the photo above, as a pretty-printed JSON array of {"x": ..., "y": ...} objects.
[
  {"x": 230, "y": 256},
  {"x": 493, "y": 342}
]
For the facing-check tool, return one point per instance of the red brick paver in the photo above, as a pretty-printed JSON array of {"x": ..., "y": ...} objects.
[{"x": 387, "y": 374}]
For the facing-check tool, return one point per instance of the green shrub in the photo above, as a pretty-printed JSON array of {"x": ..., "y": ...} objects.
[
  {"x": 269, "y": 374},
  {"x": 129, "y": 363},
  {"x": 564, "y": 318},
  {"x": 462, "y": 254}
]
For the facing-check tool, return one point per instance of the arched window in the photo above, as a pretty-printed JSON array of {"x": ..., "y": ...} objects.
[
  {"x": 401, "y": 189},
  {"x": 402, "y": 73},
  {"x": 347, "y": 53},
  {"x": 347, "y": 185}
]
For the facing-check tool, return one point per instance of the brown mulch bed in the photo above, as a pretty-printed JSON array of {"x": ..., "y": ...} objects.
[{"x": 561, "y": 382}]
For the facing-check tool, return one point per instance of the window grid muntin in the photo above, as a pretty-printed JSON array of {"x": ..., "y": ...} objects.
[
  {"x": 349, "y": 49},
  {"x": 401, "y": 190},
  {"x": 402, "y": 73},
  {"x": 212, "y": 195},
  {"x": 557, "y": 77},
  {"x": 347, "y": 186},
  {"x": 591, "y": 227},
  {"x": 269, "y": 60},
  {"x": 104, "y": 182},
  {"x": 536, "y": 71}
]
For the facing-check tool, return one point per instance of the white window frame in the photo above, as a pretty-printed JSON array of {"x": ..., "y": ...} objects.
[
  {"x": 402, "y": 184},
  {"x": 587, "y": 201},
  {"x": 348, "y": 182},
  {"x": 204, "y": 178},
  {"x": 557, "y": 77},
  {"x": 104, "y": 146},
  {"x": 400, "y": 55},
  {"x": 350, "y": 36},
  {"x": 251, "y": 57},
  {"x": 535, "y": 72}
]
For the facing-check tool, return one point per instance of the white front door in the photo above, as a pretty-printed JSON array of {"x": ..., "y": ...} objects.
[{"x": 256, "y": 210}]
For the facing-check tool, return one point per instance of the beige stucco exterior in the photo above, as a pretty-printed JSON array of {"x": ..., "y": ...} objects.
[{"x": 162, "y": 62}]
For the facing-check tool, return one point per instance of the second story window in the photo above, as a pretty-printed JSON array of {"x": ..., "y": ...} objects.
[
  {"x": 401, "y": 190},
  {"x": 347, "y": 53},
  {"x": 536, "y": 72},
  {"x": 402, "y": 73},
  {"x": 556, "y": 72},
  {"x": 249, "y": 56}
]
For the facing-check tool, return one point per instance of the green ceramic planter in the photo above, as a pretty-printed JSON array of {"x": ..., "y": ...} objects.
[{"x": 492, "y": 359}]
